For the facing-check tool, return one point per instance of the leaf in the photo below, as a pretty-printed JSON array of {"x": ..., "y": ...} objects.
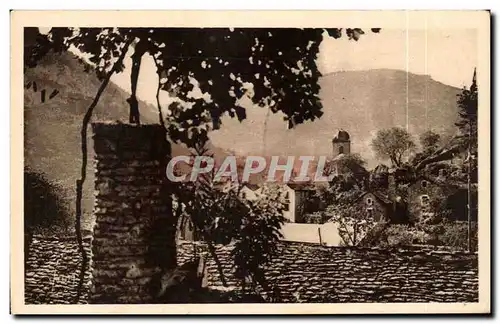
[
  {"x": 42, "y": 95},
  {"x": 53, "y": 93},
  {"x": 241, "y": 113},
  {"x": 334, "y": 32}
]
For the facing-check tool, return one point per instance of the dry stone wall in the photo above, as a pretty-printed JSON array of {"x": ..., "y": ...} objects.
[
  {"x": 303, "y": 273},
  {"x": 134, "y": 237},
  {"x": 313, "y": 273},
  {"x": 52, "y": 270}
]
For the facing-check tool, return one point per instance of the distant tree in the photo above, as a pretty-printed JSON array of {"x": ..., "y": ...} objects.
[
  {"x": 467, "y": 102},
  {"x": 280, "y": 63},
  {"x": 349, "y": 175},
  {"x": 466, "y": 140},
  {"x": 429, "y": 141},
  {"x": 468, "y": 105},
  {"x": 393, "y": 144}
]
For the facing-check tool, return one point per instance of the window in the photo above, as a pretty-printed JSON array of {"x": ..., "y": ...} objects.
[
  {"x": 341, "y": 150},
  {"x": 424, "y": 200},
  {"x": 442, "y": 172},
  {"x": 369, "y": 201},
  {"x": 424, "y": 184},
  {"x": 244, "y": 195},
  {"x": 370, "y": 213},
  {"x": 287, "y": 202}
]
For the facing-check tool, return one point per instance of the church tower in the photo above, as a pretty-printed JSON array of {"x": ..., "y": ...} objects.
[{"x": 341, "y": 143}]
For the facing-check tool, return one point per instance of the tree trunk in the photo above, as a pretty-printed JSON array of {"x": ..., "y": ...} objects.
[
  {"x": 83, "y": 171},
  {"x": 469, "y": 195},
  {"x": 134, "y": 117},
  {"x": 160, "y": 114}
]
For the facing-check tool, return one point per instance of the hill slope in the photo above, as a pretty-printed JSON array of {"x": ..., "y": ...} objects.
[
  {"x": 52, "y": 128},
  {"x": 361, "y": 102}
]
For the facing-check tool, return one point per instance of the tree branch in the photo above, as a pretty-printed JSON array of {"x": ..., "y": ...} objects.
[
  {"x": 213, "y": 253},
  {"x": 160, "y": 114},
  {"x": 83, "y": 170}
]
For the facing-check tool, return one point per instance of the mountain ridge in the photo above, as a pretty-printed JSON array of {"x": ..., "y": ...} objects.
[{"x": 360, "y": 102}]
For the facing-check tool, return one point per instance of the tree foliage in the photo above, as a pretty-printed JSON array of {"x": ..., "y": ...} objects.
[
  {"x": 429, "y": 141},
  {"x": 43, "y": 207},
  {"x": 353, "y": 220},
  {"x": 393, "y": 144},
  {"x": 221, "y": 215},
  {"x": 466, "y": 139},
  {"x": 274, "y": 67},
  {"x": 468, "y": 123},
  {"x": 468, "y": 108},
  {"x": 348, "y": 174}
]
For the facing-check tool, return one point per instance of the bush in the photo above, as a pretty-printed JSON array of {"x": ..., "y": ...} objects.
[
  {"x": 447, "y": 233},
  {"x": 44, "y": 210},
  {"x": 401, "y": 235},
  {"x": 314, "y": 218},
  {"x": 455, "y": 235}
]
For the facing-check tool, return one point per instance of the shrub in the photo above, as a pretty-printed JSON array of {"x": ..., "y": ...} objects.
[
  {"x": 401, "y": 235},
  {"x": 44, "y": 210},
  {"x": 314, "y": 218},
  {"x": 447, "y": 233},
  {"x": 455, "y": 235}
]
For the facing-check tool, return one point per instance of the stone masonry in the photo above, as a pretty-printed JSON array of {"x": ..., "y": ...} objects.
[
  {"x": 303, "y": 273},
  {"x": 317, "y": 274},
  {"x": 53, "y": 270},
  {"x": 134, "y": 237}
]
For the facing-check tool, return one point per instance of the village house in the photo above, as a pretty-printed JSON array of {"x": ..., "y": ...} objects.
[
  {"x": 450, "y": 195},
  {"x": 420, "y": 195},
  {"x": 300, "y": 198},
  {"x": 377, "y": 206},
  {"x": 250, "y": 191}
]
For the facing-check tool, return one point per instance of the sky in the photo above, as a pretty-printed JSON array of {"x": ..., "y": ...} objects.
[{"x": 445, "y": 55}]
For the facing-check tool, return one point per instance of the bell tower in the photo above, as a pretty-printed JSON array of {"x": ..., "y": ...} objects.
[{"x": 341, "y": 143}]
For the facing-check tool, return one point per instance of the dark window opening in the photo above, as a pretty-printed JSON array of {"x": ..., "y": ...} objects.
[
  {"x": 287, "y": 202},
  {"x": 424, "y": 200},
  {"x": 341, "y": 150}
]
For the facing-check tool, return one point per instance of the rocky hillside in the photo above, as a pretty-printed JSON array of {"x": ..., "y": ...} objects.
[{"x": 361, "y": 102}]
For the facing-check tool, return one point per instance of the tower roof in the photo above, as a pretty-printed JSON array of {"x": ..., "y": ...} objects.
[{"x": 342, "y": 136}]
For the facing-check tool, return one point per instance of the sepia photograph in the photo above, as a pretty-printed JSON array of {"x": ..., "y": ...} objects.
[{"x": 250, "y": 162}]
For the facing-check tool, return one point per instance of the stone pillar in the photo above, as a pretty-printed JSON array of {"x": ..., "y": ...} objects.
[{"x": 134, "y": 235}]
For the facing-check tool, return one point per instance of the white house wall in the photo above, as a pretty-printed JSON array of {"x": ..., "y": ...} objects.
[
  {"x": 290, "y": 214},
  {"x": 308, "y": 233}
]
